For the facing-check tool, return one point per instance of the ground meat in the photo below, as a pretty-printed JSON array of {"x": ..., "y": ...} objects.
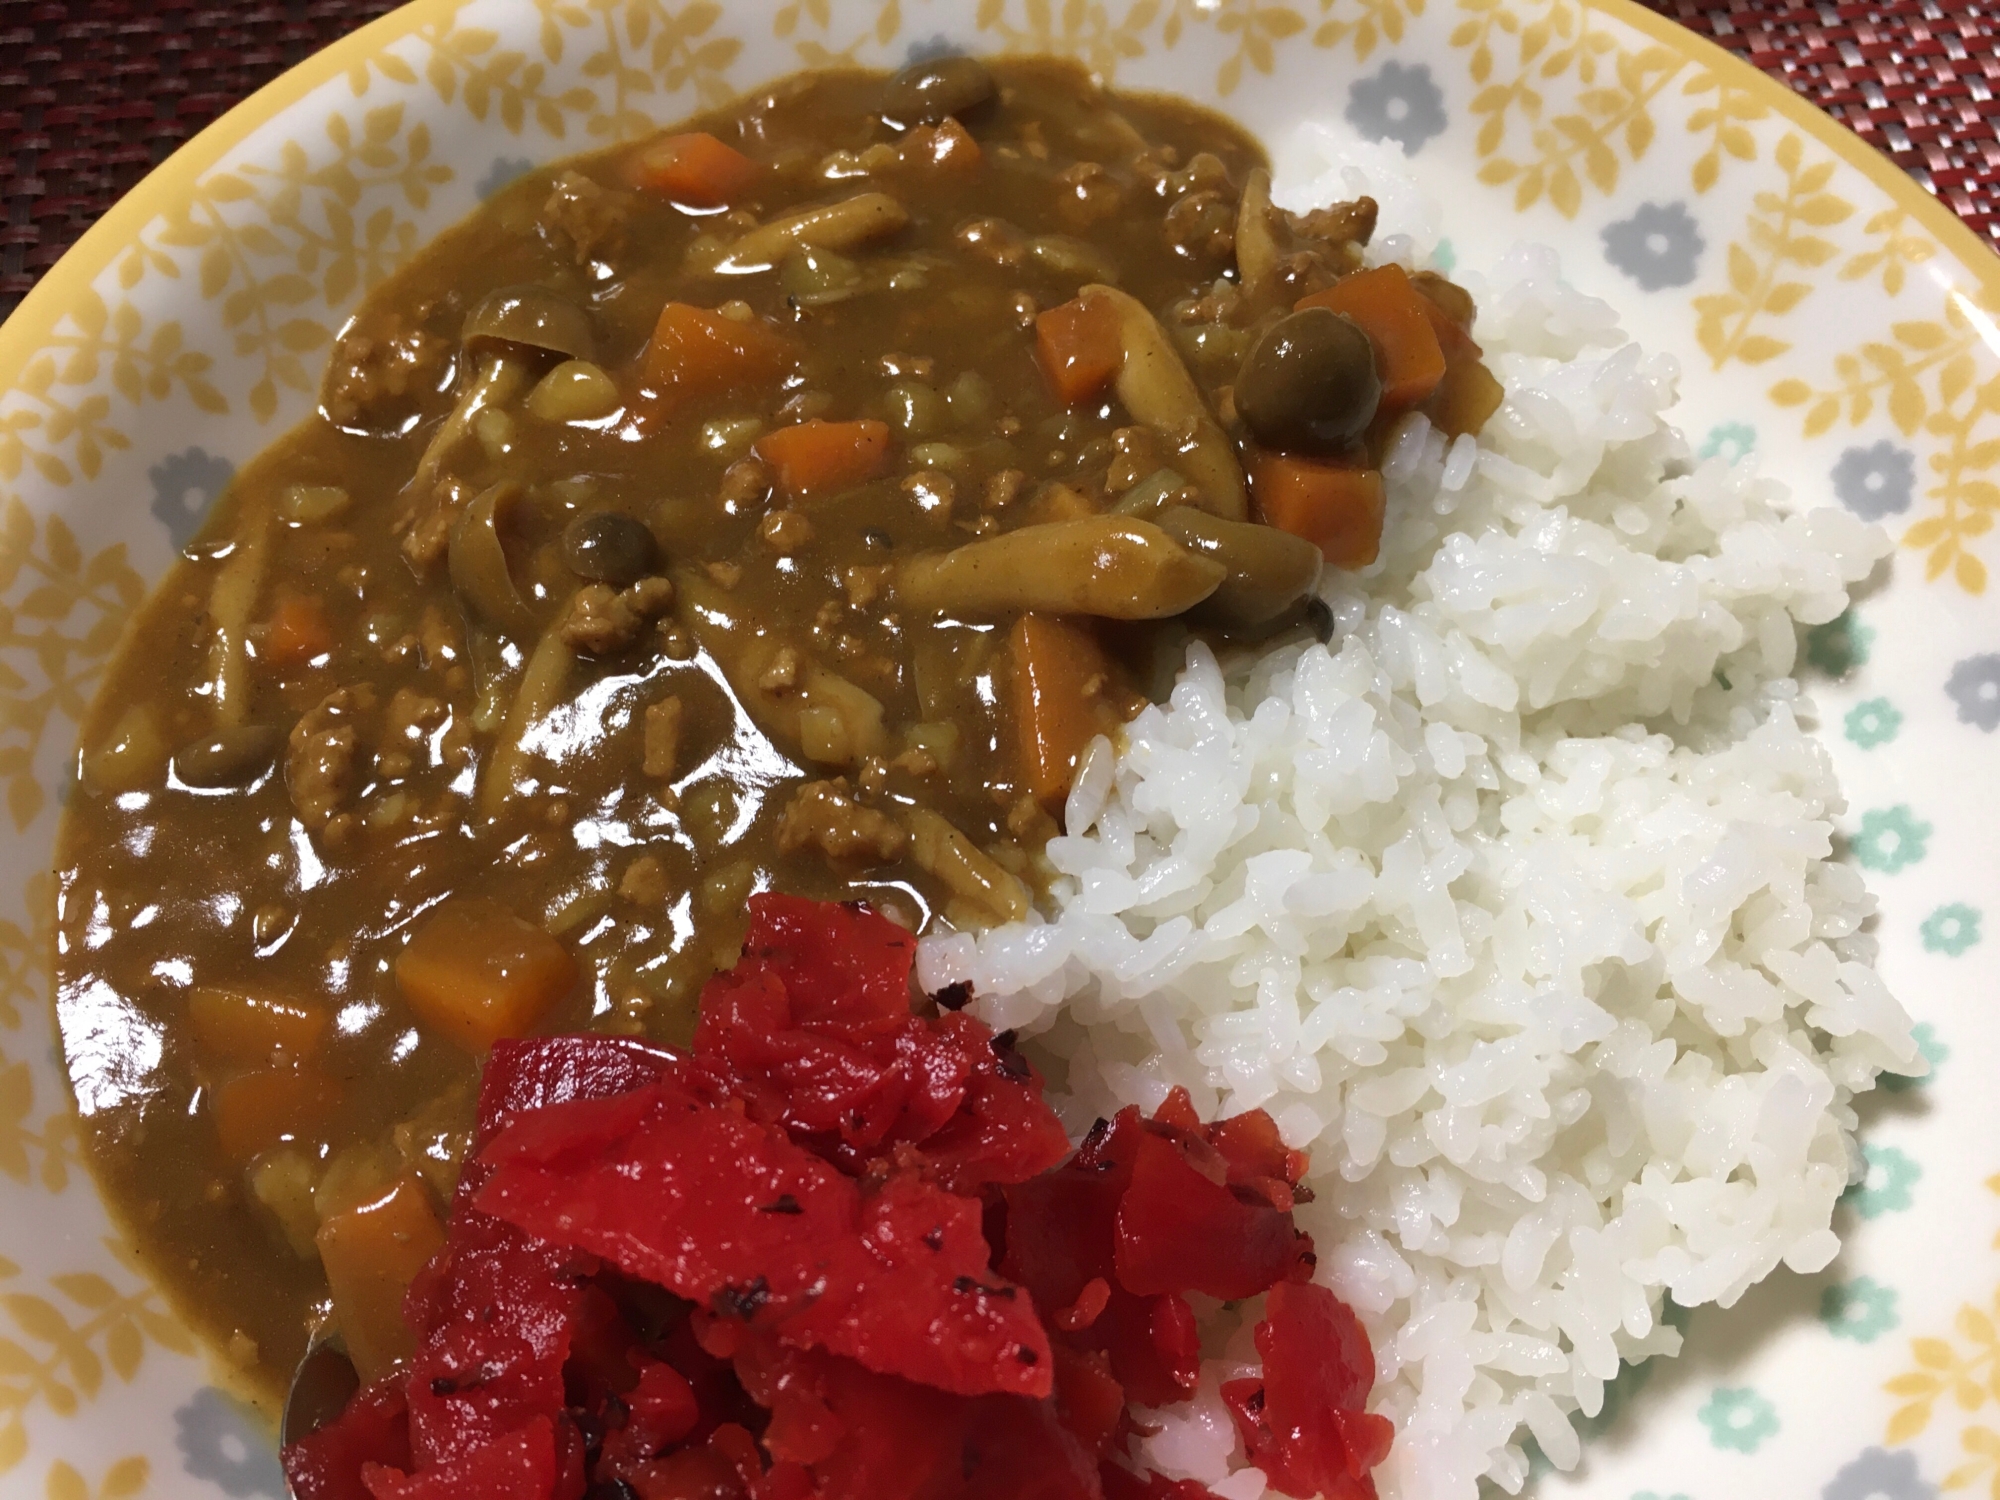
[
  {"x": 1093, "y": 194},
  {"x": 429, "y": 523},
  {"x": 602, "y": 619},
  {"x": 1002, "y": 489},
  {"x": 782, "y": 675},
  {"x": 1137, "y": 455},
  {"x": 320, "y": 756},
  {"x": 645, "y": 882},
  {"x": 1338, "y": 223},
  {"x": 382, "y": 368},
  {"x": 1221, "y": 303},
  {"x": 1327, "y": 246},
  {"x": 663, "y": 737},
  {"x": 1203, "y": 225},
  {"x": 744, "y": 482},
  {"x": 585, "y": 216},
  {"x": 865, "y": 585},
  {"x": 994, "y": 240},
  {"x": 443, "y": 643},
  {"x": 410, "y": 719},
  {"x": 825, "y": 816}
]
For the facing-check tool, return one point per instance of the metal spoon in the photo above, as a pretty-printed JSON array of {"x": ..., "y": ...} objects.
[{"x": 321, "y": 1387}]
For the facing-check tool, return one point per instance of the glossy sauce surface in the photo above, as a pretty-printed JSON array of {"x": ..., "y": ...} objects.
[{"x": 314, "y": 737}]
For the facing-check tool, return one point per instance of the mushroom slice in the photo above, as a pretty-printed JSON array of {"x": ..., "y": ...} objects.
[
  {"x": 501, "y": 335},
  {"x": 1114, "y": 567},
  {"x": 1157, "y": 389},
  {"x": 500, "y": 378},
  {"x": 478, "y": 563},
  {"x": 1256, "y": 239},
  {"x": 1270, "y": 570},
  {"x": 544, "y": 683},
  {"x": 845, "y": 225},
  {"x": 983, "y": 894},
  {"x": 533, "y": 317}
]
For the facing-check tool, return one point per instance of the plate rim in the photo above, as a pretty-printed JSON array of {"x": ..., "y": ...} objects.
[{"x": 34, "y": 320}]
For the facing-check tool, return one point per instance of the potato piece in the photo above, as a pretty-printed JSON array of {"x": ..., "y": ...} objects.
[
  {"x": 477, "y": 972},
  {"x": 371, "y": 1253},
  {"x": 355, "y": 1175},
  {"x": 839, "y": 724},
  {"x": 434, "y": 1141},
  {"x": 283, "y": 1181},
  {"x": 574, "y": 391},
  {"x": 1115, "y": 567}
]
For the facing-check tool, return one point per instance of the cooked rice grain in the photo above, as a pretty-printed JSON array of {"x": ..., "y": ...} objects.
[{"x": 1514, "y": 904}]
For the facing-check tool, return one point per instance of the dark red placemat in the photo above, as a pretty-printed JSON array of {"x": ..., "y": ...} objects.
[{"x": 94, "y": 92}]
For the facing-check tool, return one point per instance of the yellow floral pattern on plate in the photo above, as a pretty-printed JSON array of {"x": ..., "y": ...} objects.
[{"x": 201, "y": 311}]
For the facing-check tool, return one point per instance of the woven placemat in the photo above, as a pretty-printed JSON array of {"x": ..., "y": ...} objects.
[{"x": 95, "y": 92}]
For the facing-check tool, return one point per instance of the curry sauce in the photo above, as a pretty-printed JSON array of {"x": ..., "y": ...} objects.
[{"x": 782, "y": 503}]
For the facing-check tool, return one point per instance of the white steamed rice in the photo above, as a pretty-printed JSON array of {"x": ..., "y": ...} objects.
[{"x": 1513, "y": 903}]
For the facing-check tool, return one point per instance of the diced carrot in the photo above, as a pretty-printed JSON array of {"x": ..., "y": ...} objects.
[
  {"x": 371, "y": 1253},
  {"x": 1451, "y": 300},
  {"x": 1080, "y": 348},
  {"x": 1059, "y": 701},
  {"x": 1453, "y": 339},
  {"x": 478, "y": 973},
  {"x": 695, "y": 170},
  {"x": 297, "y": 632},
  {"x": 1395, "y": 315},
  {"x": 814, "y": 458},
  {"x": 1468, "y": 397},
  {"x": 255, "y": 1028},
  {"x": 943, "y": 150},
  {"x": 1336, "y": 507},
  {"x": 696, "y": 352},
  {"x": 257, "y": 1110}
]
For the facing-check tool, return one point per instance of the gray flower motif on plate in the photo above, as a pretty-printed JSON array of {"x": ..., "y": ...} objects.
[
  {"x": 1974, "y": 685},
  {"x": 1400, "y": 104},
  {"x": 1876, "y": 481},
  {"x": 185, "y": 484},
  {"x": 930, "y": 49},
  {"x": 219, "y": 1443},
  {"x": 505, "y": 170},
  {"x": 1880, "y": 1474},
  {"x": 1659, "y": 246}
]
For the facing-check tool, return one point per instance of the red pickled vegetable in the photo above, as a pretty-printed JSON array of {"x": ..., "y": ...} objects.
[
  {"x": 519, "y": 1466},
  {"x": 1304, "y": 1422},
  {"x": 1121, "y": 1483},
  {"x": 813, "y": 1032},
  {"x": 1182, "y": 1230},
  {"x": 699, "y": 1199},
  {"x": 495, "y": 1312},
  {"x": 374, "y": 1429},
  {"x": 867, "y": 1436},
  {"x": 851, "y": 1230},
  {"x": 527, "y": 1075},
  {"x": 659, "y": 1410}
]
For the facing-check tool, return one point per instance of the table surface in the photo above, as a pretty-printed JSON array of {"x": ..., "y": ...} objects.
[{"x": 93, "y": 93}]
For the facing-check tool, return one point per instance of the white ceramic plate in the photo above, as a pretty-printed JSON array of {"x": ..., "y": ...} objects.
[{"x": 1832, "y": 321}]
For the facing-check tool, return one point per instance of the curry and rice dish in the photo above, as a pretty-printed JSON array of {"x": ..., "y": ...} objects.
[{"x": 811, "y": 502}]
